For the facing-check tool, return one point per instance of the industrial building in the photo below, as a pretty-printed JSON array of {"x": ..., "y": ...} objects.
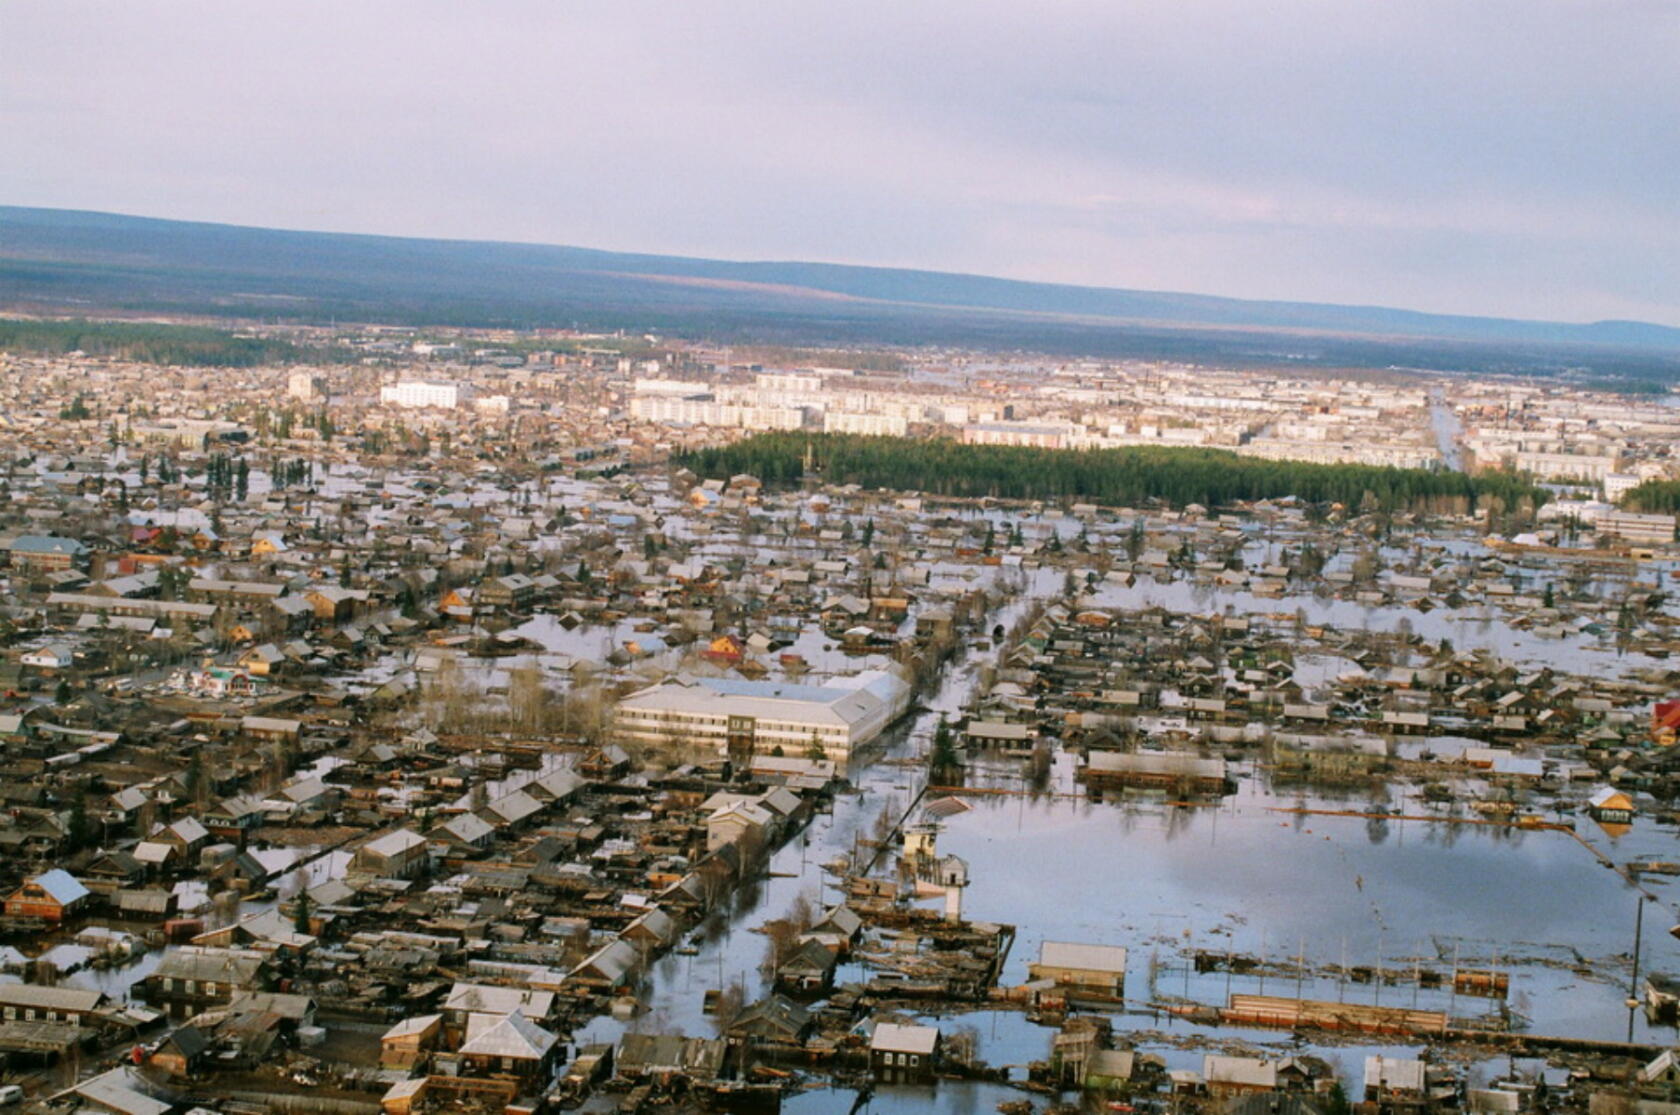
[
  {"x": 1633, "y": 527},
  {"x": 746, "y": 717}
]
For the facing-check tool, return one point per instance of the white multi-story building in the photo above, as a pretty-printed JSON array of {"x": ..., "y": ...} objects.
[
  {"x": 1343, "y": 452},
  {"x": 872, "y": 425},
  {"x": 1041, "y": 435},
  {"x": 1619, "y": 484},
  {"x": 734, "y": 715},
  {"x": 1565, "y": 466},
  {"x": 418, "y": 393},
  {"x": 306, "y": 386},
  {"x": 679, "y": 388},
  {"x": 798, "y": 384},
  {"x": 709, "y": 412},
  {"x": 950, "y": 414}
]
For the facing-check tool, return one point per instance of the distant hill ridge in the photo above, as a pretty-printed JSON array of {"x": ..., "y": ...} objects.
[{"x": 72, "y": 257}]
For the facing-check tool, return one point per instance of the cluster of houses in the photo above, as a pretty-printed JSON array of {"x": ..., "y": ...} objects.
[
  {"x": 1159, "y": 699},
  {"x": 444, "y": 723}
]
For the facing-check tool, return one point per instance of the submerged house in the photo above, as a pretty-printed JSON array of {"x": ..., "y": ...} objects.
[
  {"x": 903, "y": 1053},
  {"x": 1099, "y": 968},
  {"x": 1610, "y": 804}
]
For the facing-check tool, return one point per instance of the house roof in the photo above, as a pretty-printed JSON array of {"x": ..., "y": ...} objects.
[
  {"x": 613, "y": 961},
  {"x": 269, "y": 724},
  {"x": 743, "y": 811},
  {"x": 896, "y": 1038},
  {"x": 559, "y": 785},
  {"x": 1664, "y": 1063},
  {"x": 771, "y": 700},
  {"x": 46, "y": 544},
  {"x": 304, "y": 790},
  {"x": 478, "y": 998},
  {"x": 394, "y": 843},
  {"x": 188, "y": 830},
  {"x": 153, "y": 851},
  {"x": 513, "y": 1035},
  {"x": 468, "y": 828},
  {"x": 61, "y": 886},
  {"x": 294, "y": 1008},
  {"x": 231, "y": 966},
  {"x": 412, "y": 1027},
  {"x": 1251, "y": 1072},
  {"x": 515, "y": 806},
  {"x": 1609, "y": 796},
  {"x": 72, "y": 999},
  {"x": 190, "y": 1040},
  {"x": 121, "y": 1090},
  {"x": 774, "y": 1012},
  {"x": 841, "y": 918},
  {"x": 810, "y": 955},
  {"x": 1089, "y": 958}
]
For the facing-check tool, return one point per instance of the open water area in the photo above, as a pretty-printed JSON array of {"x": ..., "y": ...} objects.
[{"x": 1377, "y": 911}]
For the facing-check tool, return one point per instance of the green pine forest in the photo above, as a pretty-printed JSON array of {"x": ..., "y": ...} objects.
[
  {"x": 1114, "y": 477},
  {"x": 1658, "y": 496}
]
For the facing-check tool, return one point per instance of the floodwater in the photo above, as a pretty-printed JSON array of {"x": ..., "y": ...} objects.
[
  {"x": 1243, "y": 876},
  {"x": 1467, "y": 628},
  {"x": 1444, "y": 421},
  {"x": 1393, "y": 894}
]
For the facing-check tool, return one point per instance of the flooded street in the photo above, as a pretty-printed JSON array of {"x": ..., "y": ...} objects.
[
  {"x": 1380, "y": 912},
  {"x": 1448, "y": 430}
]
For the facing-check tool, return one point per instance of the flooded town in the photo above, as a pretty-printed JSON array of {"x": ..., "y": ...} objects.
[{"x": 450, "y": 723}]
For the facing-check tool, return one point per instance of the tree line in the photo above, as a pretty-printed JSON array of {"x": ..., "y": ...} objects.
[
  {"x": 1655, "y": 496},
  {"x": 1115, "y": 477},
  {"x": 146, "y": 343}
]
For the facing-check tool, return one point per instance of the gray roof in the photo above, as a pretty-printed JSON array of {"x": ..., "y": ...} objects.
[
  {"x": 120, "y": 1090},
  {"x": 896, "y": 1038},
  {"x": 61, "y": 885},
  {"x": 50, "y": 998},
  {"x": 393, "y": 843},
  {"x": 480, "y": 998},
  {"x": 770, "y": 700},
  {"x": 209, "y": 964},
  {"x": 1089, "y": 958},
  {"x": 512, "y": 1036}
]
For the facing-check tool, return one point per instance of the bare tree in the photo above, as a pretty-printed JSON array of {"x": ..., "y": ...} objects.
[
  {"x": 528, "y": 707},
  {"x": 727, "y": 1006}
]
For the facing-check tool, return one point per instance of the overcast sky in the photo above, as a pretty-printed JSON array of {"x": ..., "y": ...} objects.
[{"x": 1517, "y": 157}]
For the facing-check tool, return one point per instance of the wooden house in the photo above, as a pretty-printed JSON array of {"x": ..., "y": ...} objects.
[
  {"x": 52, "y": 897},
  {"x": 903, "y": 1054}
]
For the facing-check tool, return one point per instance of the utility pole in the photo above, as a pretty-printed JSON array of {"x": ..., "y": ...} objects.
[{"x": 1638, "y": 935}]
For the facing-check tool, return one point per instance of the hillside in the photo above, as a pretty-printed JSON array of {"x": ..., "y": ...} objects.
[{"x": 64, "y": 260}]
